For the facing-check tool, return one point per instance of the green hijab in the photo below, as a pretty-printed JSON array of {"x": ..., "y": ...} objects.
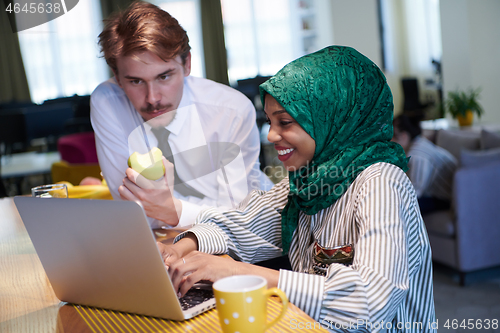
[{"x": 342, "y": 100}]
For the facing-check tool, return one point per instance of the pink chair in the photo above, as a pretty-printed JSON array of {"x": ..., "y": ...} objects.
[
  {"x": 78, "y": 148},
  {"x": 79, "y": 158}
]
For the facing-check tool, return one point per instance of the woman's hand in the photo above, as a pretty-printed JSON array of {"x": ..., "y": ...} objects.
[
  {"x": 199, "y": 266},
  {"x": 187, "y": 266},
  {"x": 169, "y": 253},
  {"x": 173, "y": 252}
]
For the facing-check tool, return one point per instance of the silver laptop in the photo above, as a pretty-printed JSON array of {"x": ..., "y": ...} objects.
[{"x": 103, "y": 253}]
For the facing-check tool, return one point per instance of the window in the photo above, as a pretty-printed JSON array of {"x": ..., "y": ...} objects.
[
  {"x": 418, "y": 24},
  {"x": 258, "y": 35},
  {"x": 187, "y": 12},
  {"x": 61, "y": 57}
]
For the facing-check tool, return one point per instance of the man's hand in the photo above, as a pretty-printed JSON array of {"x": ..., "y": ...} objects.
[{"x": 155, "y": 196}]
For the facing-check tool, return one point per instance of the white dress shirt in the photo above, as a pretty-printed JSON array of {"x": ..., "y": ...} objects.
[
  {"x": 209, "y": 113},
  {"x": 388, "y": 286}
]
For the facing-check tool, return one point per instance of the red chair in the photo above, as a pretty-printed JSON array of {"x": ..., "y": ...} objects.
[
  {"x": 79, "y": 158},
  {"x": 78, "y": 148}
]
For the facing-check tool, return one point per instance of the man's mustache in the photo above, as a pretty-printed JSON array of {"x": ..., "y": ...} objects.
[{"x": 152, "y": 108}]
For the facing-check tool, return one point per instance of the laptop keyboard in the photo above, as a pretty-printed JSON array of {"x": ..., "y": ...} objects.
[{"x": 195, "y": 296}]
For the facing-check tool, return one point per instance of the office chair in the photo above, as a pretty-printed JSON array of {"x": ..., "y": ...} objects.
[
  {"x": 412, "y": 105},
  {"x": 13, "y": 130}
]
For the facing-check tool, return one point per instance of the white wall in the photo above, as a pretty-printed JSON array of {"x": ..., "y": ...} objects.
[
  {"x": 324, "y": 23},
  {"x": 355, "y": 24},
  {"x": 471, "y": 51},
  {"x": 470, "y": 37}
]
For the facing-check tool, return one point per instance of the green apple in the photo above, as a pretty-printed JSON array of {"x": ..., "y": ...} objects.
[{"x": 149, "y": 165}]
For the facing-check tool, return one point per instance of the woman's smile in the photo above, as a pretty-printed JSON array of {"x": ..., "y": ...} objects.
[{"x": 284, "y": 153}]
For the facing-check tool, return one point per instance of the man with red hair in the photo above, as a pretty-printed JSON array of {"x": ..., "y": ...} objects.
[{"x": 152, "y": 100}]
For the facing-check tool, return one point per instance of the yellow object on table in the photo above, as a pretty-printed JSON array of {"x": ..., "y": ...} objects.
[
  {"x": 74, "y": 173},
  {"x": 241, "y": 303},
  {"x": 101, "y": 321},
  {"x": 87, "y": 191}
]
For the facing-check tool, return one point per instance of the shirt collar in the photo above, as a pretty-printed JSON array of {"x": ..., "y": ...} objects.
[{"x": 180, "y": 118}]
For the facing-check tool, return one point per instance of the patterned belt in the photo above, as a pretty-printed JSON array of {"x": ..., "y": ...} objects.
[{"x": 324, "y": 256}]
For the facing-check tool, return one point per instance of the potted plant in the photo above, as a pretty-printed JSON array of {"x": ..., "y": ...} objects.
[{"x": 463, "y": 104}]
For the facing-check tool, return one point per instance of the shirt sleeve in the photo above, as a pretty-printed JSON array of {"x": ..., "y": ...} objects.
[
  {"x": 190, "y": 211},
  {"x": 257, "y": 218},
  {"x": 306, "y": 291},
  {"x": 111, "y": 138}
]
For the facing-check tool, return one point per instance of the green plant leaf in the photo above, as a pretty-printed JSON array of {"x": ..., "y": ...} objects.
[{"x": 458, "y": 102}]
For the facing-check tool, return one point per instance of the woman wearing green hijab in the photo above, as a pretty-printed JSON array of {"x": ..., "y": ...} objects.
[{"x": 347, "y": 215}]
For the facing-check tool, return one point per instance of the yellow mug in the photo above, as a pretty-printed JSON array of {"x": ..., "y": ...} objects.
[{"x": 241, "y": 302}]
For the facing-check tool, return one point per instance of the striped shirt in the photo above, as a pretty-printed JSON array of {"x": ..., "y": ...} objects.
[
  {"x": 431, "y": 169},
  {"x": 388, "y": 286}
]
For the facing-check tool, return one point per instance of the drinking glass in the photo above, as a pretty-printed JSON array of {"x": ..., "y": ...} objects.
[{"x": 50, "y": 191}]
